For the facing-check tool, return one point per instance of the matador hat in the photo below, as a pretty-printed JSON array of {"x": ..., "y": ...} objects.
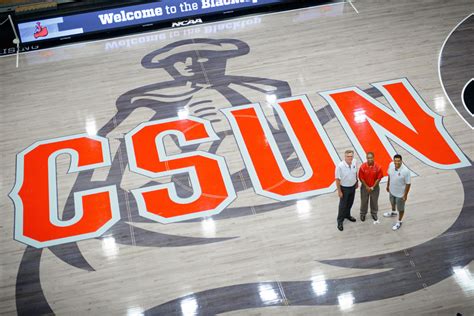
[{"x": 205, "y": 47}]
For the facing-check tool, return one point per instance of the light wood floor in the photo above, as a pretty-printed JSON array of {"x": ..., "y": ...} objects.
[{"x": 74, "y": 89}]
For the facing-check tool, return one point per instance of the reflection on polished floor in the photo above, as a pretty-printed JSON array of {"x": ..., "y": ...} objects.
[{"x": 247, "y": 118}]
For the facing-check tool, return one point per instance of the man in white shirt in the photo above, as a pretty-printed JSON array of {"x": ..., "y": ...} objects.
[
  {"x": 347, "y": 183},
  {"x": 398, "y": 185}
]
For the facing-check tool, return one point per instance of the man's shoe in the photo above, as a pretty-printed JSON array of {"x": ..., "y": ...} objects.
[
  {"x": 340, "y": 227},
  {"x": 375, "y": 217},
  {"x": 390, "y": 214},
  {"x": 362, "y": 218},
  {"x": 352, "y": 219},
  {"x": 397, "y": 226}
]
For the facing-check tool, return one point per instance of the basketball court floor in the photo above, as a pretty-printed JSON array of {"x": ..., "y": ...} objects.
[{"x": 209, "y": 151}]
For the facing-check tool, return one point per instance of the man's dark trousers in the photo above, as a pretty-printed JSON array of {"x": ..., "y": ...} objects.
[{"x": 345, "y": 203}]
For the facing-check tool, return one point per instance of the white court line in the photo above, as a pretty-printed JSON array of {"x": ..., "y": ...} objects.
[
  {"x": 164, "y": 29},
  {"x": 353, "y": 6},
  {"x": 16, "y": 41},
  {"x": 439, "y": 70}
]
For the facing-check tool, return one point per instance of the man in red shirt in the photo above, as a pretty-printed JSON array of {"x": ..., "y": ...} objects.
[{"x": 370, "y": 175}]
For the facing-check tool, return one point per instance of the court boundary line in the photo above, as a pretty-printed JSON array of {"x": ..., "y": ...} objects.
[{"x": 353, "y": 6}]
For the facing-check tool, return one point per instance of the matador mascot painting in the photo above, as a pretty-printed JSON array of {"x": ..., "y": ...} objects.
[{"x": 199, "y": 87}]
